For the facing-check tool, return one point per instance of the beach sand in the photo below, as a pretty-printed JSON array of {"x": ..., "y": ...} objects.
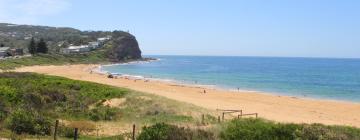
[{"x": 272, "y": 107}]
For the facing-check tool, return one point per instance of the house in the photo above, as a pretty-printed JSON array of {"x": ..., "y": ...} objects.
[
  {"x": 94, "y": 45},
  {"x": 16, "y": 52},
  {"x": 4, "y": 51},
  {"x": 76, "y": 49},
  {"x": 103, "y": 39}
]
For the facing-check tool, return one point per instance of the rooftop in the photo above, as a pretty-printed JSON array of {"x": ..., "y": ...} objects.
[{"x": 78, "y": 47}]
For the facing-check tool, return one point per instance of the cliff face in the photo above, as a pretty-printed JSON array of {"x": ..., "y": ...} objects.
[{"x": 125, "y": 47}]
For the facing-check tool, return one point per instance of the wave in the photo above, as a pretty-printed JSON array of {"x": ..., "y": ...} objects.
[
  {"x": 133, "y": 62},
  {"x": 151, "y": 78}
]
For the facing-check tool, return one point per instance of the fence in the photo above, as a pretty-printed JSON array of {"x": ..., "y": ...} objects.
[
  {"x": 133, "y": 131},
  {"x": 232, "y": 111},
  {"x": 76, "y": 131}
]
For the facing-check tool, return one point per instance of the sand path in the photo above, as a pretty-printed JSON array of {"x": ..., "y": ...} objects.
[{"x": 277, "y": 108}]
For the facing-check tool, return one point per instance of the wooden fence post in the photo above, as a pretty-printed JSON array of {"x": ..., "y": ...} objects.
[
  {"x": 133, "y": 133},
  {"x": 55, "y": 129},
  {"x": 203, "y": 119},
  {"x": 76, "y": 134},
  {"x": 223, "y": 116}
]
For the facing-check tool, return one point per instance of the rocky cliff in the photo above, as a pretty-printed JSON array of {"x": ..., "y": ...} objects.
[{"x": 124, "y": 47}]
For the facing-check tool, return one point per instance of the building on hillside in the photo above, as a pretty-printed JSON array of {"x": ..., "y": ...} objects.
[
  {"x": 4, "y": 51},
  {"x": 76, "y": 49},
  {"x": 16, "y": 52},
  {"x": 94, "y": 45},
  {"x": 103, "y": 39}
]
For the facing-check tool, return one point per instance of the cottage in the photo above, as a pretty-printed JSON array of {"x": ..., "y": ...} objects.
[
  {"x": 76, "y": 49},
  {"x": 94, "y": 45},
  {"x": 4, "y": 51},
  {"x": 103, "y": 39},
  {"x": 16, "y": 52}
]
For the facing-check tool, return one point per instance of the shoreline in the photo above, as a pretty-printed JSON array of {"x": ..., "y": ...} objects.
[
  {"x": 99, "y": 70},
  {"x": 278, "y": 108}
]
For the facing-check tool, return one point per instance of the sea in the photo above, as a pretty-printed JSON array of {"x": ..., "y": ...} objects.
[{"x": 317, "y": 78}]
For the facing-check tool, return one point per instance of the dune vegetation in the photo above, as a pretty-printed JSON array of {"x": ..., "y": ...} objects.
[{"x": 30, "y": 104}]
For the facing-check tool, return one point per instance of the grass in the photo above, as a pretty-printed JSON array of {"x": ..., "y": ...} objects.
[
  {"x": 55, "y": 59},
  {"x": 146, "y": 109},
  {"x": 51, "y": 97}
]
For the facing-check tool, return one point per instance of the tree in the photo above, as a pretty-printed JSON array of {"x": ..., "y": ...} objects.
[
  {"x": 42, "y": 47},
  {"x": 32, "y": 46}
]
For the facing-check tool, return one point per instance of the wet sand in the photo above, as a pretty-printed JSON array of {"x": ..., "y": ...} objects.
[{"x": 272, "y": 107}]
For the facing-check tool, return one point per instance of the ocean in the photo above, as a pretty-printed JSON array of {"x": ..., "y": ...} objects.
[{"x": 319, "y": 78}]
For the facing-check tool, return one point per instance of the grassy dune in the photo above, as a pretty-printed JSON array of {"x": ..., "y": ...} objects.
[{"x": 30, "y": 100}]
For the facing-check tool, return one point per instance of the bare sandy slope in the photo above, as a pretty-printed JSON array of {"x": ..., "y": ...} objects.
[{"x": 278, "y": 108}]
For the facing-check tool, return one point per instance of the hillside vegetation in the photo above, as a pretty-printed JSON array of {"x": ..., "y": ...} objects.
[
  {"x": 18, "y": 36},
  {"x": 55, "y": 59},
  {"x": 122, "y": 46}
]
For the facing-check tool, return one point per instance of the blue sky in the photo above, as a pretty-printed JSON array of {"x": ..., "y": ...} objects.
[{"x": 306, "y": 28}]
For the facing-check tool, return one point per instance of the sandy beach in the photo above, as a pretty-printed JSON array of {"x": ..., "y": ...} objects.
[{"x": 272, "y": 107}]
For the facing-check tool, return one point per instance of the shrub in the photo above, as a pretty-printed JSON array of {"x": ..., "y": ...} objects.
[
  {"x": 256, "y": 129},
  {"x": 33, "y": 101},
  {"x": 66, "y": 132},
  {"x": 102, "y": 113},
  {"x": 162, "y": 131},
  {"x": 3, "y": 109},
  {"x": 42, "y": 125},
  {"x": 156, "y": 132},
  {"x": 319, "y": 131},
  {"x": 21, "y": 121}
]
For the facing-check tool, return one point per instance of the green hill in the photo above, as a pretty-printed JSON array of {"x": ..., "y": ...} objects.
[
  {"x": 121, "y": 47},
  {"x": 18, "y": 36}
]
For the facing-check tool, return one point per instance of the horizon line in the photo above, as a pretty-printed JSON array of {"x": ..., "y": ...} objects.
[{"x": 201, "y": 55}]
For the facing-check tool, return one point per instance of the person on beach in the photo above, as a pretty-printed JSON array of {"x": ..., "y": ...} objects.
[{"x": 204, "y": 91}]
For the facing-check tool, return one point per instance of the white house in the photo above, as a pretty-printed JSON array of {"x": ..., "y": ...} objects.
[
  {"x": 85, "y": 48},
  {"x": 76, "y": 49},
  {"x": 103, "y": 39},
  {"x": 94, "y": 45}
]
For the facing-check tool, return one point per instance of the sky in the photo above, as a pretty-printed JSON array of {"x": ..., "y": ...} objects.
[{"x": 284, "y": 28}]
